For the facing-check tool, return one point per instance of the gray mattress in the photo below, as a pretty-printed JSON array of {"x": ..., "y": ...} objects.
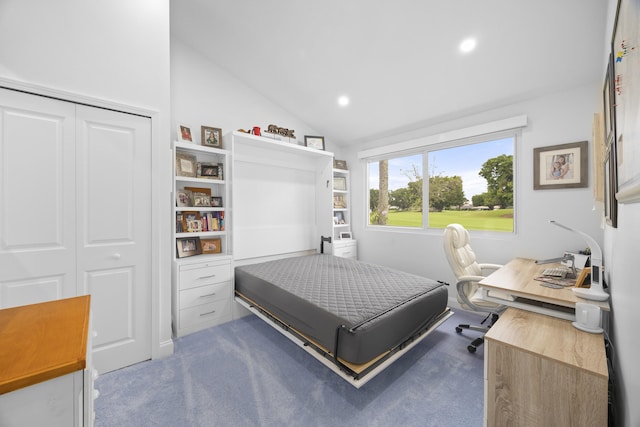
[{"x": 316, "y": 294}]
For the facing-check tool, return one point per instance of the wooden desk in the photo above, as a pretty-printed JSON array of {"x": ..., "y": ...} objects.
[
  {"x": 541, "y": 371},
  {"x": 516, "y": 278}
]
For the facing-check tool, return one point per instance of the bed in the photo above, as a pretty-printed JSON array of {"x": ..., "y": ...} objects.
[{"x": 353, "y": 316}]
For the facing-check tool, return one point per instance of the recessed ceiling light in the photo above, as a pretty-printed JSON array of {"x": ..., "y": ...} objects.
[
  {"x": 343, "y": 101},
  {"x": 467, "y": 45}
]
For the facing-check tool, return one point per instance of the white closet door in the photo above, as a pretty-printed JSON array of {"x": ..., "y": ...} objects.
[
  {"x": 37, "y": 199},
  {"x": 114, "y": 232}
]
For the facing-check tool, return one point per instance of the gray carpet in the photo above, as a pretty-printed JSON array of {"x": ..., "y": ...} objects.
[{"x": 244, "y": 373}]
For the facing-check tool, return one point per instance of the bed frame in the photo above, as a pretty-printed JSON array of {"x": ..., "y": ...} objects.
[{"x": 356, "y": 375}]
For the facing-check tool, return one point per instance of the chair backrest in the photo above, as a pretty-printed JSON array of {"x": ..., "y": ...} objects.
[{"x": 461, "y": 257}]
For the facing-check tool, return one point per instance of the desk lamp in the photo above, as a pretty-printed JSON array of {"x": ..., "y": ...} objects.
[{"x": 596, "y": 291}]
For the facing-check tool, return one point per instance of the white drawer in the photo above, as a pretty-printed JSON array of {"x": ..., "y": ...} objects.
[
  {"x": 212, "y": 313},
  {"x": 348, "y": 251},
  {"x": 205, "y": 294},
  {"x": 204, "y": 276}
]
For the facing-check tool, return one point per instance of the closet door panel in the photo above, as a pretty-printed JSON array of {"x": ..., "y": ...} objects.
[
  {"x": 37, "y": 199},
  {"x": 114, "y": 232}
]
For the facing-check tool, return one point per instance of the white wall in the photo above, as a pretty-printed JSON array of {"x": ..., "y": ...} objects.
[
  {"x": 553, "y": 119},
  {"x": 620, "y": 246},
  {"x": 204, "y": 94},
  {"x": 116, "y": 52}
]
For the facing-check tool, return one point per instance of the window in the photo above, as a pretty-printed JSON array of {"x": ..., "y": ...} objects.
[{"x": 470, "y": 182}]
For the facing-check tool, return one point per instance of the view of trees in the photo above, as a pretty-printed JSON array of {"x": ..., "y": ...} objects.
[{"x": 445, "y": 192}]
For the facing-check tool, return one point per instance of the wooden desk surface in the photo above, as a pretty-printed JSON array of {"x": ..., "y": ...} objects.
[
  {"x": 551, "y": 338},
  {"x": 517, "y": 278},
  {"x": 39, "y": 342}
]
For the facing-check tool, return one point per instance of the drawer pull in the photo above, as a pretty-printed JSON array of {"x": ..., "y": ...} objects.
[
  {"x": 208, "y": 295},
  {"x": 207, "y": 277},
  {"x": 207, "y": 313}
]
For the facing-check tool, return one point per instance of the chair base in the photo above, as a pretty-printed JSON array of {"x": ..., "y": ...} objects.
[{"x": 484, "y": 329}]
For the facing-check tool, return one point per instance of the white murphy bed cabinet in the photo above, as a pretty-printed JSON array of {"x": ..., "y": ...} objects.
[
  {"x": 74, "y": 218},
  {"x": 47, "y": 376},
  {"x": 202, "y": 283},
  {"x": 342, "y": 247},
  {"x": 282, "y": 197}
]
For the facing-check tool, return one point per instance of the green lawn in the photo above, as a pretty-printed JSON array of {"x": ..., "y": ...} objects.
[{"x": 496, "y": 220}]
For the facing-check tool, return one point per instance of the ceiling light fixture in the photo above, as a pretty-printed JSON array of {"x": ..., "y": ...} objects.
[
  {"x": 343, "y": 101},
  {"x": 467, "y": 45}
]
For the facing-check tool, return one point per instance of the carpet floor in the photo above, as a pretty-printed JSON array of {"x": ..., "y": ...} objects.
[{"x": 244, "y": 373}]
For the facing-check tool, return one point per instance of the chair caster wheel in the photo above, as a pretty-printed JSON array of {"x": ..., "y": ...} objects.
[
  {"x": 471, "y": 348},
  {"x": 458, "y": 329}
]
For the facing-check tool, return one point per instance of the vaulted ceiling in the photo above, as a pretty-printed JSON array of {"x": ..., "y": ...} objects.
[{"x": 398, "y": 61}]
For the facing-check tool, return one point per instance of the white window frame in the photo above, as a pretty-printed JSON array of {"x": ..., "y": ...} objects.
[{"x": 511, "y": 127}]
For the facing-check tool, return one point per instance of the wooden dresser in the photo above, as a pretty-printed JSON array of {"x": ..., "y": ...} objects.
[
  {"x": 541, "y": 371},
  {"x": 46, "y": 376}
]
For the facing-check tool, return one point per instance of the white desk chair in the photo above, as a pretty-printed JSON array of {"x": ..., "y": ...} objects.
[{"x": 468, "y": 273}]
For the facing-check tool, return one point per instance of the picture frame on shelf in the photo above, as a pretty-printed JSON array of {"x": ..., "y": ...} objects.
[
  {"x": 201, "y": 199},
  {"x": 184, "y": 198},
  {"x": 209, "y": 170},
  {"x": 211, "y": 137},
  {"x": 338, "y": 218},
  {"x": 560, "y": 166},
  {"x": 184, "y": 133},
  {"x": 316, "y": 142},
  {"x": 191, "y": 222},
  {"x": 186, "y": 165},
  {"x": 340, "y": 164},
  {"x": 345, "y": 235},
  {"x": 340, "y": 183},
  {"x": 188, "y": 246},
  {"x": 216, "y": 201},
  {"x": 211, "y": 246},
  {"x": 339, "y": 201},
  {"x": 204, "y": 190}
]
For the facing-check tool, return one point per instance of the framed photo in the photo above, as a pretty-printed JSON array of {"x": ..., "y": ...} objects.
[
  {"x": 340, "y": 183},
  {"x": 338, "y": 218},
  {"x": 211, "y": 137},
  {"x": 211, "y": 246},
  {"x": 201, "y": 199},
  {"x": 339, "y": 164},
  {"x": 188, "y": 246},
  {"x": 339, "y": 201},
  {"x": 184, "y": 198},
  {"x": 186, "y": 165},
  {"x": 560, "y": 166},
  {"x": 216, "y": 201},
  {"x": 607, "y": 101},
  {"x": 625, "y": 43},
  {"x": 209, "y": 171},
  {"x": 345, "y": 234},
  {"x": 204, "y": 190},
  {"x": 191, "y": 222},
  {"x": 184, "y": 133},
  {"x": 316, "y": 142},
  {"x": 610, "y": 187}
]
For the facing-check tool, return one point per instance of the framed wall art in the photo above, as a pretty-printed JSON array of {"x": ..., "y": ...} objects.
[
  {"x": 211, "y": 137},
  {"x": 625, "y": 48},
  {"x": 560, "y": 166}
]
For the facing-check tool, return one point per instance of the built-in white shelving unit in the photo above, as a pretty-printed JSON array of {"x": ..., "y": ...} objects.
[{"x": 202, "y": 278}]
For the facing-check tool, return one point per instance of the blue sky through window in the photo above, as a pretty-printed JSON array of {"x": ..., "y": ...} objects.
[{"x": 464, "y": 161}]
